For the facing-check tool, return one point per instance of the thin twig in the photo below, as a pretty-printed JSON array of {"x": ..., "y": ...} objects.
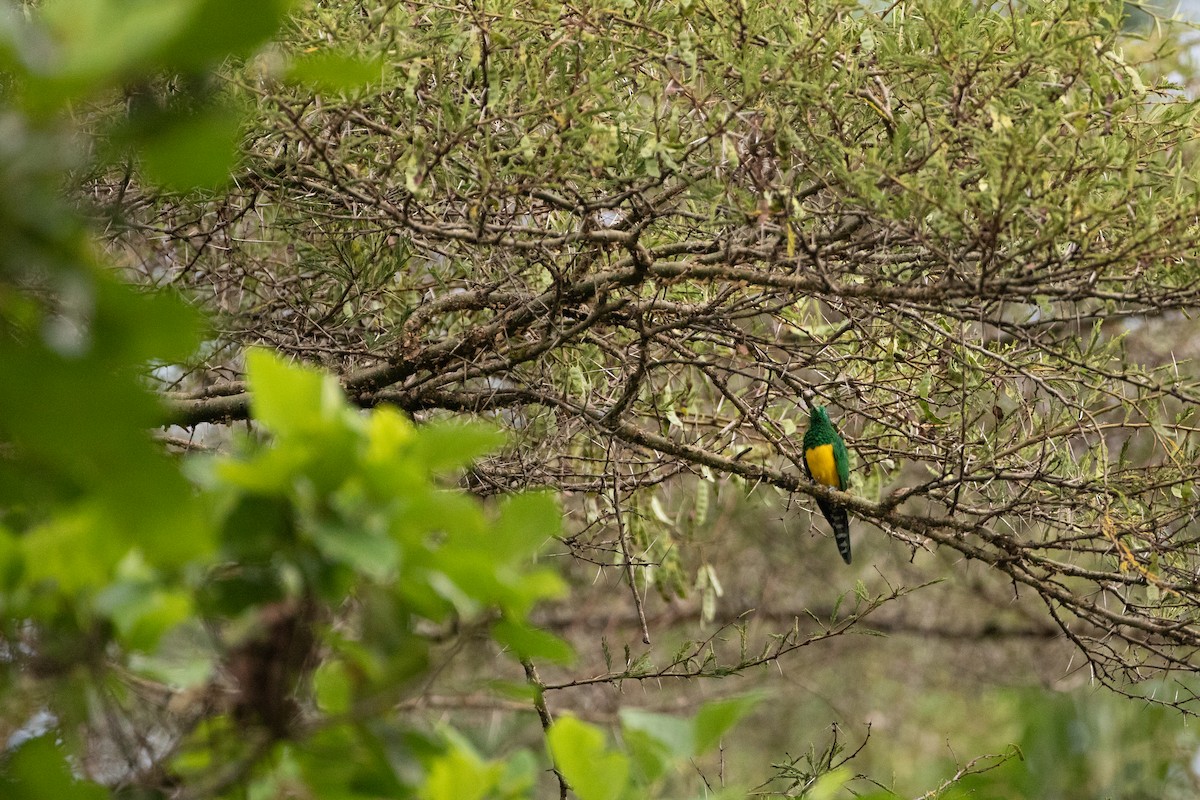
[
  {"x": 539, "y": 703},
  {"x": 623, "y": 537}
]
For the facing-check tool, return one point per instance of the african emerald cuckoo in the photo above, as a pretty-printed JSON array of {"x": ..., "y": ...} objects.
[{"x": 828, "y": 463}]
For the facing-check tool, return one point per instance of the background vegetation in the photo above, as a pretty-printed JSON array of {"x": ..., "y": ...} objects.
[{"x": 567, "y": 279}]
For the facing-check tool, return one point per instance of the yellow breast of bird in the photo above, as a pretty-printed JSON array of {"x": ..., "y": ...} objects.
[{"x": 822, "y": 465}]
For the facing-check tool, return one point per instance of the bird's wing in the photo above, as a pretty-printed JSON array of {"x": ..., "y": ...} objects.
[{"x": 841, "y": 457}]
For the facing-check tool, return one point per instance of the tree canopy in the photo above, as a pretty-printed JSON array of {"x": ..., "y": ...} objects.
[
  {"x": 642, "y": 240},
  {"x": 645, "y": 239}
]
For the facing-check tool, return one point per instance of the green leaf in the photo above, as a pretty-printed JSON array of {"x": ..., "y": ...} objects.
[
  {"x": 330, "y": 71},
  {"x": 716, "y": 717},
  {"x": 37, "y": 770},
  {"x": 254, "y": 528},
  {"x": 534, "y": 586},
  {"x": 270, "y": 472},
  {"x": 288, "y": 398},
  {"x": 344, "y": 761},
  {"x": 138, "y": 326},
  {"x": 208, "y": 37},
  {"x": 388, "y": 470},
  {"x": 579, "y": 752},
  {"x": 103, "y": 40},
  {"x": 142, "y": 611},
  {"x": 444, "y": 446},
  {"x": 451, "y": 513},
  {"x": 830, "y": 785},
  {"x": 650, "y": 756},
  {"x": 461, "y": 775},
  {"x": 73, "y": 550},
  {"x": 532, "y": 643},
  {"x": 64, "y": 446},
  {"x": 368, "y": 552},
  {"x": 656, "y": 740},
  {"x": 525, "y": 524},
  {"x": 675, "y": 733},
  {"x": 189, "y": 151},
  {"x": 12, "y": 560},
  {"x": 520, "y": 775},
  {"x": 333, "y": 688}
]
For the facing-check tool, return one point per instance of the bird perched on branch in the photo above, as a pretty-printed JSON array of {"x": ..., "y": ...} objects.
[{"x": 828, "y": 463}]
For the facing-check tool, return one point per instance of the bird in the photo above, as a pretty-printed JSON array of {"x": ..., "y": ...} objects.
[{"x": 828, "y": 462}]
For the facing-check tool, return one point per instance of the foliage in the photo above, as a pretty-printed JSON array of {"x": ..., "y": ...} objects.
[
  {"x": 1083, "y": 745},
  {"x": 335, "y": 551},
  {"x": 639, "y": 238},
  {"x": 312, "y": 557},
  {"x": 645, "y": 237}
]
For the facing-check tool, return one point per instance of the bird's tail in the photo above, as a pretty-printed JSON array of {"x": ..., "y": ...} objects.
[{"x": 839, "y": 520}]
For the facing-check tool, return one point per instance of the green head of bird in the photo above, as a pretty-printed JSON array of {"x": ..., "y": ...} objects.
[{"x": 820, "y": 429}]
